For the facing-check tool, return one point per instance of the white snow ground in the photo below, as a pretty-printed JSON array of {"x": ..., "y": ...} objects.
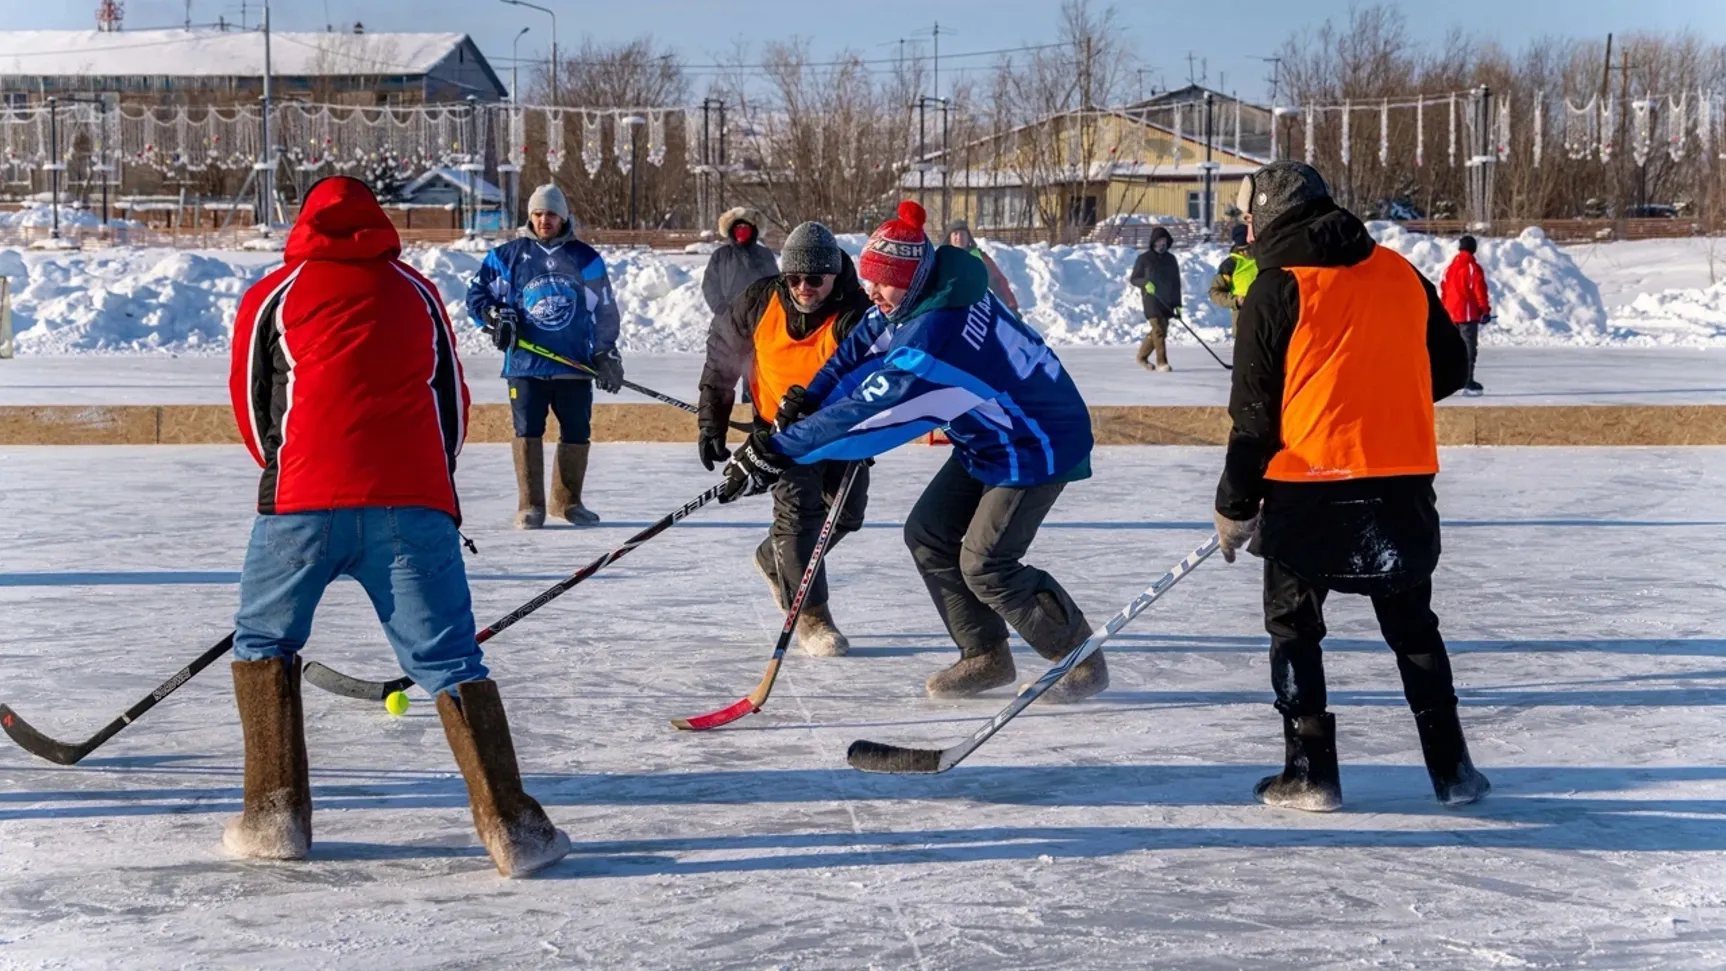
[{"x": 1580, "y": 592}]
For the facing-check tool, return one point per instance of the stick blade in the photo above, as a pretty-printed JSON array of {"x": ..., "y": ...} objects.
[
  {"x": 714, "y": 719},
  {"x": 867, "y": 756},
  {"x": 38, "y": 744},
  {"x": 337, "y": 683}
]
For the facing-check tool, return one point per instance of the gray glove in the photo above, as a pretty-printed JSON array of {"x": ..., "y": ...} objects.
[{"x": 1232, "y": 535}]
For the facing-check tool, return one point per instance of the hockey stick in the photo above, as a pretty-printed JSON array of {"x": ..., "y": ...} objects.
[
  {"x": 751, "y": 703},
  {"x": 880, "y": 757},
  {"x": 631, "y": 385},
  {"x": 43, "y": 747},
  {"x": 335, "y": 682},
  {"x": 1226, "y": 366}
]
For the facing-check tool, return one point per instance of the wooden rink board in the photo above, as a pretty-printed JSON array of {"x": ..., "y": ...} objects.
[{"x": 1558, "y": 425}]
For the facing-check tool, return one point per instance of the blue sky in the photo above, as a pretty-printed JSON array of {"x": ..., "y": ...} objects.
[{"x": 1228, "y": 35}]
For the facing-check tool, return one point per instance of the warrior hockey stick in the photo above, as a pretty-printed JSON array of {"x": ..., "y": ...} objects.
[
  {"x": 879, "y": 757},
  {"x": 1226, "y": 366},
  {"x": 335, "y": 682},
  {"x": 751, "y": 703},
  {"x": 43, "y": 747},
  {"x": 631, "y": 385}
]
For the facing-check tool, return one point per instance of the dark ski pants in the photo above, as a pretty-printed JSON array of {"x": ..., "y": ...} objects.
[
  {"x": 801, "y": 500},
  {"x": 1471, "y": 337},
  {"x": 968, "y": 541},
  {"x": 571, "y": 399},
  {"x": 1294, "y": 617}
]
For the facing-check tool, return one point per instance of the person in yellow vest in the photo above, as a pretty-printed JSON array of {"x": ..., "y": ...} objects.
[
  {"x": 1235, "y": 274},
  {"x": 1344, "y": 347},
  {"x": 778, "y": 333}
]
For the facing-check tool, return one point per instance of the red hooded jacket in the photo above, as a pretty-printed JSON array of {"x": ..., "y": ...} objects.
[
  {"x": 345, "y": 381},
  {"x": 1464, "y": 290}
]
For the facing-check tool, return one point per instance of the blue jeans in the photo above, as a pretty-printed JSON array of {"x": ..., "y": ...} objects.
[{"x": 407, "y": 558}]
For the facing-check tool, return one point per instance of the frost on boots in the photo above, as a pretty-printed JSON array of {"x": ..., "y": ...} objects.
[
  {"x": 1089, "y": 676},
  {"x": 529, "y": 455},
  {"x": 1310, "y": 780},
  {"x": 974, "y": 673},
  {"x": 510, "y": 822},
  {"x": 765, "y": 567},
  {"x": 1455, "y": 780},
  {"x": 276, "y": 823},
  {"x": 816, "y": 635}
]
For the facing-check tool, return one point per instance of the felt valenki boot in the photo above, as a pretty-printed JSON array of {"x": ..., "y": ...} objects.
[
  {"x": 974, "y": 673},
  {"x": 510, "y": 822},
  {"x": 529, "y": 455},
  {"x": 1310, "y": 779},
  {"x": 1455, "y": 780},
  {"x": 276, "y": 823},
  {"x": 568, "y": 472}
]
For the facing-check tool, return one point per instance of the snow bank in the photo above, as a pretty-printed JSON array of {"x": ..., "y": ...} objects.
[{"x": 141, "y": 300}]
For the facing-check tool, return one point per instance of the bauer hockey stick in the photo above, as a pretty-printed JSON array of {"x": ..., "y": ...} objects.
[
  {"x": 631, "y": 385},
  {"x": 880, "y": 757},
  {"x": 43, "y": 747},
  {"x": 751, "y": 703},
  {"x": 337, "y": 683}
]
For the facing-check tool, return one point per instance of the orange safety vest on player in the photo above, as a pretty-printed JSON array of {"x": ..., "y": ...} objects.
[
  {"x": 782, "y": 360},
  {"x": 1357, "y": 389}
]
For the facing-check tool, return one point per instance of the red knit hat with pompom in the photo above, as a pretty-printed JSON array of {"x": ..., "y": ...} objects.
[{"x": 897, "y": 249}]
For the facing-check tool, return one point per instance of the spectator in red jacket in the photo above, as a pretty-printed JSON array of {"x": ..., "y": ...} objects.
[
  {"x": 348, "y": 392},
  {"x": 1464, "y": 295}
]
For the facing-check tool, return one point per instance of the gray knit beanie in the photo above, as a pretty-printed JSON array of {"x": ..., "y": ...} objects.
[
  {"x": 810, "y": 248},
  {"x": 548, "y": 198},
  {"x": 1277, "y": 188}
]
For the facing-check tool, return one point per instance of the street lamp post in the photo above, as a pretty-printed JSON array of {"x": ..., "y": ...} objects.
[
  {"x": 515, "y": 67},
  {"x": 634, "y": 122},
  {"x": 553, "y": 14}
]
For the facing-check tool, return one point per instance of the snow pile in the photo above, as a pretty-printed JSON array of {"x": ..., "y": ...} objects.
[
  {"x": 156, "y": 299},
  {"x": 36, "y": 216},
  {"x": 1539, "y": 294}
]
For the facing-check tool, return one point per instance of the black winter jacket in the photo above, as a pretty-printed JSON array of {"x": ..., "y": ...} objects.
[
  {"x": 731, "y": 269},
  {"x": 1161, "y": 269},
  {"x": 731, "y": 337},
  {"x": 1376, "y": 535}
]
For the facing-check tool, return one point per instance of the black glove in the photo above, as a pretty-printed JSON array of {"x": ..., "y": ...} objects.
[
  {"x": 712, "y": 449},
  {"x": 501, "y": 327},
  {"x": 790, "y": 408},
  {"x": 1175, "y": 313},
  {"x": 608, "y": 368},
  {"x": 754, "y": 468},
  {"x": 1487, "y": 319}
]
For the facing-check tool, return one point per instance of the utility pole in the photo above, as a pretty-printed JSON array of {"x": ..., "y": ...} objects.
[
  {"x": 267, "y": 163},
  {"x": 1207, "y": 203}
]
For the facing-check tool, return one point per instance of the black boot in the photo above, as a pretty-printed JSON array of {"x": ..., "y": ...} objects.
[
  {"x": 1310, "y": 780},
  {"x": 1455, "y": 780}
]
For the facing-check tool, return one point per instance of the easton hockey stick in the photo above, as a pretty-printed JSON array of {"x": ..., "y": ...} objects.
[
  {"x": 631, "y": 385},
  {"x": 43, "y": 747},
  {"x": 751, "y": 703},
  {"x": 335, "y": 682},
  {"x": 880, "y": 757}
]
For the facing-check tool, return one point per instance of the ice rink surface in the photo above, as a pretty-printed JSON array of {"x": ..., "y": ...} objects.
[{"x": 1580, "y": 590}]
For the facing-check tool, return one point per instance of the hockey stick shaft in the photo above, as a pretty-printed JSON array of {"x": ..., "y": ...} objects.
[
  {"x": 1226, "y": 366},
  {"x": 42, "y": 746},
  {"x": 335, "y": 682},
  {"x": 878, "y": 757},
  {"x": 631, "y": 385},
  {"x": 752, "y": 702}
]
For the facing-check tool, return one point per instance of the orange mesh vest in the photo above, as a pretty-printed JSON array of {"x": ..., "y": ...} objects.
[
  {"x": 1357, "y": 382},
  {"x": 782, "y": 360}
]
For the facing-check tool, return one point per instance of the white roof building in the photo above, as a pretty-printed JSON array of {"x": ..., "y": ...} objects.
[{"x": 428, "y": 67}]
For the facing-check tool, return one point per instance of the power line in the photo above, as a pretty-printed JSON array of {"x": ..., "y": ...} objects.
[{"x": 716, "y": 66}]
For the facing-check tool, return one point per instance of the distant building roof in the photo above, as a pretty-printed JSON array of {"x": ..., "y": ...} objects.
[
  {"x": 216, "y": 53},
  {"x": 489, "y": 194}
]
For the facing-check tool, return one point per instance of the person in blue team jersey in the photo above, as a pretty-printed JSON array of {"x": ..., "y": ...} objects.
[{"x": 940, "y": 351}]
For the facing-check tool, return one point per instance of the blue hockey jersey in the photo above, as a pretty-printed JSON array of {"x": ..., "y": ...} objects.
[
  {"x": 562, "y": 294},
  {"x": 957, "y": 360}
]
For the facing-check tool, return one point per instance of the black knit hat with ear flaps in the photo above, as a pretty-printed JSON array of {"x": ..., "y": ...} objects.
[{"x": 1277, "y": 188}]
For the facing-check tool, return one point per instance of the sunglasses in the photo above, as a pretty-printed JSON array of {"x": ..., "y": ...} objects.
[{"x": 811, "y": 280}]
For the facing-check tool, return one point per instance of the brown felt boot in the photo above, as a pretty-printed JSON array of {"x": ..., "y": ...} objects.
[
  {"x": 276, "y": 823},
  {"x": 1059, "y": 633},
  {"x": 511, "y": 824},
  {"x": 817, "y": 636},
  {"x": 974, "y": 674},
  {"x": 529, "y": 456},
  {"x": 568, "y": 472}
]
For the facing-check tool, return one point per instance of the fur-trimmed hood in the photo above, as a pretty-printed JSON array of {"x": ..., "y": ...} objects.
[{"x": 741, "y": 214}]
